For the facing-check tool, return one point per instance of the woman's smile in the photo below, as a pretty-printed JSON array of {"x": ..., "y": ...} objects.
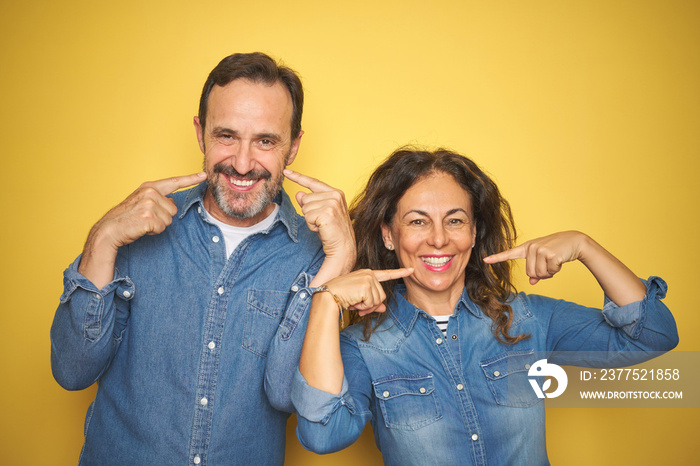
[{"x": 437, "y": 263}]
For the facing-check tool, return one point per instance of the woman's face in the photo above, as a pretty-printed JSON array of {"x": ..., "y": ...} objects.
[{"x": 433, "y": 231}]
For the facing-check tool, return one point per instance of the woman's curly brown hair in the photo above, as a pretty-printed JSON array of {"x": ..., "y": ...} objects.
[{"x": 488, "y": 286}]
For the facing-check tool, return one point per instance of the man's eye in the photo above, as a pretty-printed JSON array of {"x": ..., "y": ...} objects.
[{"x": 224, "y": 138}]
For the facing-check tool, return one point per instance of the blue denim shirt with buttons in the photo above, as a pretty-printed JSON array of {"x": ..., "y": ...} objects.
[
  {"x": 465, "y": 398},
  {"x": 178, "y": 342}
]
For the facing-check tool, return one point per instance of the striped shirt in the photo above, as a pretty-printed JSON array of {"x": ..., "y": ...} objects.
[{"x": 442, "y": 323}]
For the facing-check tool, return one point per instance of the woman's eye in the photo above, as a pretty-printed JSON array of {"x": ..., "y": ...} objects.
[{"x": 417, "y": 222}]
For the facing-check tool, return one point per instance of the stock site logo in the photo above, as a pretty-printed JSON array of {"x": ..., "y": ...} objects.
[{"x": 542, "y": 368}]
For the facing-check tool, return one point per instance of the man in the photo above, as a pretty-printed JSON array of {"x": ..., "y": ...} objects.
[{"x": 174, "y": 302}]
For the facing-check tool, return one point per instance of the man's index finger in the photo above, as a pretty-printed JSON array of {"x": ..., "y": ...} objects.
[
  {"x": 170, "y": 185},
  {"x": 313, "y": 184}
]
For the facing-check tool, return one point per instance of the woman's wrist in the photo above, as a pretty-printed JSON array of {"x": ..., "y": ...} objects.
[{"x": 323, "y": 289}]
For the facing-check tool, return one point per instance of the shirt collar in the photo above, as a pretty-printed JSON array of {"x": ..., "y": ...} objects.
[
  {"x": 287, "y": 214},
  {"x": 405, "y": 314}
]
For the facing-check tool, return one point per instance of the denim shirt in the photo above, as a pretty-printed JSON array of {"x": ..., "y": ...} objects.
[
  {"x": 178, "y": 341},
  {"x": 464, "y": 398}
]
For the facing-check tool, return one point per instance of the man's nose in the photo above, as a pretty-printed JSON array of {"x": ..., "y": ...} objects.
[{"x": 242, "y": 159}]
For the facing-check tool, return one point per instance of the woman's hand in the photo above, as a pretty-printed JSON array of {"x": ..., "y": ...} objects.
[
  {"x": 362, "y": 290},
  {"x": 321, "y": 363},
  {"x": 544, "y": 256}
]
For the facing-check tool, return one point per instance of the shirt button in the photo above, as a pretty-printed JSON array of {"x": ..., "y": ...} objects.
[
  {"x": 211, "y": 345},
  {"x": 197, "y": 459},
  {"x": 439, "y": 341},
  {"x": 496, "y": 373},
  {"x": 454, "y": 337},
  {"x": 203, "y": 401},
  {"x": 295, "y": 288},
  {"x": 527, "y": 366},
  {"x": 302, "y": 295},
  {"x": 199, "y": 210},
  {"x": 220, "y": 290},
  {"x": 475, "y": 437},
  {"x": 126, "y": 293},
  {"x": 385, "y": 394},
  {"x": 422, "y": 390},
  {"x": 215, "y": 239},
  {"x": 460, "y": 386}
]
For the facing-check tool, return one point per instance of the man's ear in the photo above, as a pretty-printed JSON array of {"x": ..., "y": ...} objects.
[
  {"x": 294, "y": 148},
  {"x": 200, "y": 133}
]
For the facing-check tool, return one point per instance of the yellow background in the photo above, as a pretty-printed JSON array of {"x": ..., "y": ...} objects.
[{"x": 586, "y": 113}]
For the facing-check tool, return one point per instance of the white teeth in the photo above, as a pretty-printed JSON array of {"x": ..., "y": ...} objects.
[
  {"x": 241, "y": 183},
  {"x": 436, "y": 261}
]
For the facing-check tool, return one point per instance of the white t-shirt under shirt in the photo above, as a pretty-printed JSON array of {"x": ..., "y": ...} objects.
[{"x": 234, "y": 235}]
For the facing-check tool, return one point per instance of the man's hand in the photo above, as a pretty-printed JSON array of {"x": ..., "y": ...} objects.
[
  {"x": 326, "y": 213},
  {"x": 145, "y": 212}
]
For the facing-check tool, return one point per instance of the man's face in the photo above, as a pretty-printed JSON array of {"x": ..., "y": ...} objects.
[{"x": 246, "y": 145}]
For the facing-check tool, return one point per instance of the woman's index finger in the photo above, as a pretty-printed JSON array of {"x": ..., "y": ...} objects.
[
  {"x": 392, "y": 274},
  {"x": 517, "y": 252}
]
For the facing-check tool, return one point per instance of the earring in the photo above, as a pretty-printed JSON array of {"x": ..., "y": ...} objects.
[
  {"x": 473, "y": 244},
  {"x": 389, "y": 247}
]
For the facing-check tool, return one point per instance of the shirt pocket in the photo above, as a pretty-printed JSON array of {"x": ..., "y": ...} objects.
[
  {"x": 264, "y": 312},
  {"x": 407, "y": 402},
  {"x": 506, "y": 376}
]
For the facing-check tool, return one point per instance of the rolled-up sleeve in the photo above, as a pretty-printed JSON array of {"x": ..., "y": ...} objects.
[
  {"x": 327, "y": 423},
  {"x": 615, "y": 335},
  {"x": 87, "y": 327},
  {"x": 313, "y": 404},
  {"x": 650, "y": 315}
]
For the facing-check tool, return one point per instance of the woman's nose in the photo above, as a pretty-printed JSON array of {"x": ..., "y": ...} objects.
[{"x": 438, "y": 236}]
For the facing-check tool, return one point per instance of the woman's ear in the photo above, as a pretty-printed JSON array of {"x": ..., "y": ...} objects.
[{"x": 387, "y": 237}]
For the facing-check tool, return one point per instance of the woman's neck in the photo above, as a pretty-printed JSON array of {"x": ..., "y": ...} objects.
[{"x": 435, "y": 303}]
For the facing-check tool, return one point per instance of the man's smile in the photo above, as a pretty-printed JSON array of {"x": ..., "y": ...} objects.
[{"x": 242, "y": 183}]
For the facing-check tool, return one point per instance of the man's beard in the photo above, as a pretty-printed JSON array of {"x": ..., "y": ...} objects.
[{"x": 247, "y": 204}]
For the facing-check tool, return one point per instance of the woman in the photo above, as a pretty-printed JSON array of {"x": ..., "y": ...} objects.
[{"x": 443, "y": 373}]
